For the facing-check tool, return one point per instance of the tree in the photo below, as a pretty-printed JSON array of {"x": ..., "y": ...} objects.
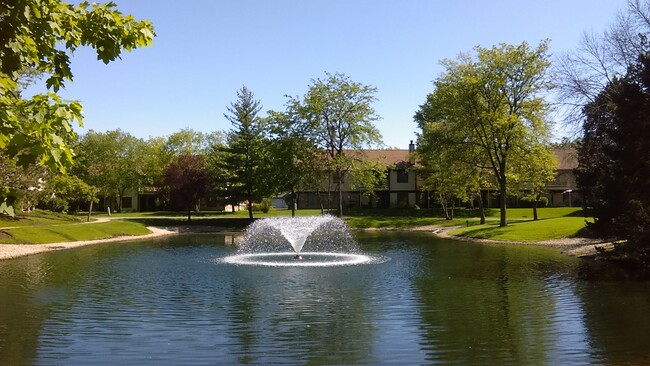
[
  {"x": 492, "y": 102},
  {"x": 614, "y": 160},
  {"x": 66, "y": 192},
  {"x": 294, "y": 156},
  {"x": 243, "y": 161},
  {"x": 448, "y": 167},
  {"x": 188, "y": 180},
  {"x": 113, "y": 162},
  {"x": 339, "y": 113},
  {"x": 534, "y": 171},
  {"x": 190, "y": 142},
  {"x": 600, "y": 58},
  {"x": 22, "y": 185},
  {"x": 38, "y": 38}
]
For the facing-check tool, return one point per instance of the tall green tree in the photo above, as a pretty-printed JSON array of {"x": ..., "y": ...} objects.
[
  {"x": 492, "y": 100},
  {"x": 340, "y": 115},
  {"x": 448, "y": 168},
  {"x": 534, "y": 171},
  {"x": 243, "y": 160},
  {"x": 614, "y": 160},
  {"x": 39, "y": 37},
  {"x": 190, "y": 142},
  {"x": 113, "y": 162},
  {"x": 294, "y": 157}
]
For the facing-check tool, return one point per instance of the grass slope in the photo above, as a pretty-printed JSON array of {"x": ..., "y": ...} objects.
[
  {"x": 543, "y": 229},
  {"x": 56, "y": 232}
]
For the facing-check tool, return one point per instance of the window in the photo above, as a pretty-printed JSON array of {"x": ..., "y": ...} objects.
[
  {"x": 402, "y": 176},
  {"x": 127, "y": 202}
]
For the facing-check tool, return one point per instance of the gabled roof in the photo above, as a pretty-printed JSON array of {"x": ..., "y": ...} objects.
[
  {"x": 567, "y": 159},
  {"x": 386, "y": 157}
]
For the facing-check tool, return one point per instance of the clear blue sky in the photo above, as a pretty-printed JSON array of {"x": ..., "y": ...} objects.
[{"x": 206, "y": 50}]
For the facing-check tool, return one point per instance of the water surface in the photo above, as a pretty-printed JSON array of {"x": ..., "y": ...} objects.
[{"x": 173, "y": 301}]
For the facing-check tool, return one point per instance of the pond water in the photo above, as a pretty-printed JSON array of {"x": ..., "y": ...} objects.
[{"x": 174, "y": 301}]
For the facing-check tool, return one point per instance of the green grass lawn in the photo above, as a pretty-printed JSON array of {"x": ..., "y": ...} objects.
[
  {"x": 37, "y": 218},
  {"x": 543, "y": 229},
  {"x": 61, "y": 233},
  {"x": 47, "y": 227}
]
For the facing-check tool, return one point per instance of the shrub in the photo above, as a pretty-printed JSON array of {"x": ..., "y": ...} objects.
[
  {"x": 264, "y": 206},
  {"x": 529, "y": 202}
]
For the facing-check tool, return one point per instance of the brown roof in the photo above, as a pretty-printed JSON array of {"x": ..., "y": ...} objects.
[
  {"x": 567, "y": 159},
  {"x": 386, "y": 157}
]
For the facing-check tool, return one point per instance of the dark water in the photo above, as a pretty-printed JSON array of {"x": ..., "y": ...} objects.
[{"x": 170, "y": 301}]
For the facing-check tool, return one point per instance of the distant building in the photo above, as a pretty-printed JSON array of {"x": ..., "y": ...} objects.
[{"x": 402, "y": 188}]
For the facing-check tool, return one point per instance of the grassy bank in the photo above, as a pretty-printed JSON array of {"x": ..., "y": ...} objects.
[
  {"x": 56, "y": 233},
  {"x": 553, "y": 223},
  {"x": 46, "y": 227}
]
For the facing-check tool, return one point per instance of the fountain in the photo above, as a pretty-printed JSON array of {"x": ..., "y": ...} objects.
[{"x": 327, "y": 237}]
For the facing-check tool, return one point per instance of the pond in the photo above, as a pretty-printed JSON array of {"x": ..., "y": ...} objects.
[{"x": 173, "y": 301}]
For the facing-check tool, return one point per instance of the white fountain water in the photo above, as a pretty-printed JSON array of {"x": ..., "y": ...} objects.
[
  {"x": 326, "y": 237},
  {"x": 297, "y": 229}
]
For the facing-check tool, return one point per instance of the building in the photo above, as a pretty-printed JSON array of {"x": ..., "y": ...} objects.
[{"x": 402, "y": 188}]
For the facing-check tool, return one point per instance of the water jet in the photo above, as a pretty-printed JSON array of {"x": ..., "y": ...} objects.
[{"x": 327, "y": 237}]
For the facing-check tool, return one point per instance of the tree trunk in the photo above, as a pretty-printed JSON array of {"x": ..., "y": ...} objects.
[
  {"x": 537, "y": 197},
  {"x": 443, "y": 204},
  {"x": 453, "y": 204},
  {"x": 90, "y": 209},
  {"x": 189, "y": 212},
  {"x": 339, "y": 189},
  {"x": 320, "y": 202},
  {"x": 250, "y": 209},
  {"x": 502, "y": 201},
  {"x": 481, "y": 208},
  {"x": 293, "y": 203}
]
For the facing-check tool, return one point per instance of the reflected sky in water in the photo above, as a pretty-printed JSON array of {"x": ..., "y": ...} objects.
[{"x": 172, "y": 301}]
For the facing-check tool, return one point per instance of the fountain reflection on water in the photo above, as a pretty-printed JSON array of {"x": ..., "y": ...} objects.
[{"x": 327, "y": 237}]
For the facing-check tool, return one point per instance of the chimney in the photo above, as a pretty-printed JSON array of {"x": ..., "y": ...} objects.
[{"x": 411, "y": 151}]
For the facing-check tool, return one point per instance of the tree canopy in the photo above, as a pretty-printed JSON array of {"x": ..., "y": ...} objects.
[
  {"x": 112, "y": 161},
  {"x": 242, "y": 163},
  {"x": 614, "y": 159},
  {"x": 38, "y": 38},
  {"x": 340, "y": 115},
  {"x": 491, "y": 108},
  {"x": 188, "y": 180}
]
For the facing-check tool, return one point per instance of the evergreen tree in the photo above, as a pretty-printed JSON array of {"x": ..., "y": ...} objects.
[
  {"x": 242, "y": 162},
  {"x": 614, "y": 160}
]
